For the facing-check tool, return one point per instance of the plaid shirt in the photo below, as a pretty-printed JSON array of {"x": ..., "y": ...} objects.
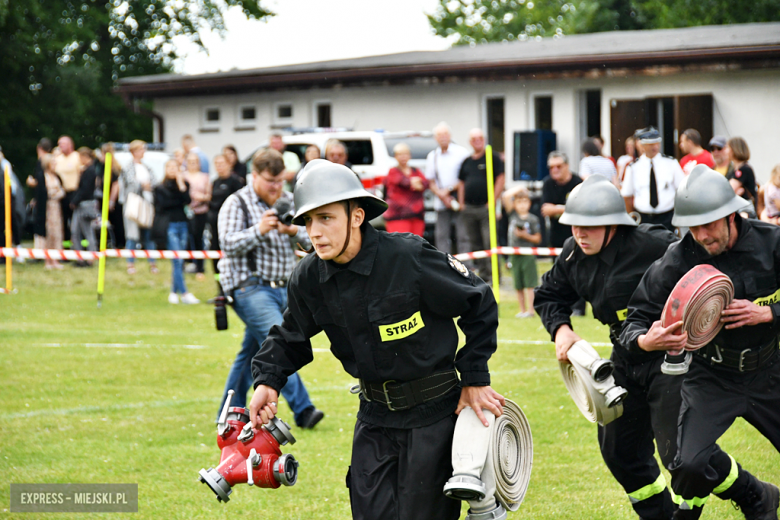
[{"x": 238, "y": 236}]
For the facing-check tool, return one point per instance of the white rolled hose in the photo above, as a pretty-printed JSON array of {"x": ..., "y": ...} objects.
[
  {"x": 491, "y": 466},
  {"x": 588, "y": 378}
]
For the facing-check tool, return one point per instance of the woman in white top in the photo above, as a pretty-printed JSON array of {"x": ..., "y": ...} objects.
[{"x": 137, "y": 178}]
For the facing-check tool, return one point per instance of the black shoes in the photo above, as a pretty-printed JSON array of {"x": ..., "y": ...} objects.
[
  {"x": 770, "y": 501},
  {"x": 309, "y": 418}
]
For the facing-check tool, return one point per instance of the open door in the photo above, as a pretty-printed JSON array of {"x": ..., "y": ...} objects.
[
  {"x": 693, "y": 112},
  {"x": 626, "y": 116}
]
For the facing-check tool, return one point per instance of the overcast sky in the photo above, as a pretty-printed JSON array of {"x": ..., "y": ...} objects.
[{"x": 314, "y": 30}]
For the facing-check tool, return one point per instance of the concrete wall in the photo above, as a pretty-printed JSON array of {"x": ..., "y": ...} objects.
[{"x": 747, "y": 104}]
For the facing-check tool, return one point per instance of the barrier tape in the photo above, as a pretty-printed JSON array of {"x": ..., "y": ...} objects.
[
  {"x": 57, "y": 254},
  {"x": 698, "y": 300}
]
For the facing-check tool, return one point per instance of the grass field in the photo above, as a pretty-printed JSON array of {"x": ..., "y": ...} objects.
[{"x": 128, "y": 394}]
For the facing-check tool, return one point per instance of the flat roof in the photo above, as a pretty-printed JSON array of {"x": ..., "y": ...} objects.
[{"x": 757, "y": 41}]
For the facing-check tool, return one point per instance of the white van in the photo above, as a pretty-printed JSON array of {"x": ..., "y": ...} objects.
[{"x": 371, "y": 154}]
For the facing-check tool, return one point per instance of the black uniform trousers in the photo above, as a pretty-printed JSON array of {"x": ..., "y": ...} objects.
[
  {"x": 650, "y": 411},
  {"x": 664, "y": 219},
  {"x": 711, "y": 401},
  {"x": 399, "y": 474}
]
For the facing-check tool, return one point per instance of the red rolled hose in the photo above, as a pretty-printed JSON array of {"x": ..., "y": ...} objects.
[{"x": 698, "y": 300}]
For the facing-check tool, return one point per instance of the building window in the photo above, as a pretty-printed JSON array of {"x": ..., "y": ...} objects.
[
  {"x": 283, "y": 113},
  {"x": 248, "y": 114},
  {"x": 494, "y": 108},
  {"x": 246, "y": 117},
  {"x": 211, "y": 118},
  {"x": 593, "y": 112},
  {"x": 323, "y": 115},
  {"x": 543, "y": 112}
]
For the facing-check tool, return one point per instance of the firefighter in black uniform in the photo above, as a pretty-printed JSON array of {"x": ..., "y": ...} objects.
[
  {"x": 603, "y": 263},
  {"x": 736, "y": 374},
  {"x": 386, "y": 303}
]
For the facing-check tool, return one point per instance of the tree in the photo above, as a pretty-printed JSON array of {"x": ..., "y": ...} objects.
[
  {"x": 60, "y": 60},
  {"x": 482, "y": 21}
]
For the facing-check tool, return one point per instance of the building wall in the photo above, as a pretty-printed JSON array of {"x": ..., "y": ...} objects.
[{"x": 747, "y": 104}]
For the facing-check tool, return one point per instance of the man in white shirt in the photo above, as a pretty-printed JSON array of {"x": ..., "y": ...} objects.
[
  {"x": 68, "y": 168},
  {"x": 188, "y": 143},
  {"x": 651, "y": 181},
  {"x": 593, "y": 163},
  {"x": 442, "y": 168}
]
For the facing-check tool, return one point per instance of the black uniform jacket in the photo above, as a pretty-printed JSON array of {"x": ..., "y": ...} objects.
[
  {"x": 389, "y": 316},
  {"x": 753, "y": 264},
  {"x": 607, "y": 280}
]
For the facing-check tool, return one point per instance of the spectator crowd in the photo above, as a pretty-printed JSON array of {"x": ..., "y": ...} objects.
[{"x": 180, "y": 210}]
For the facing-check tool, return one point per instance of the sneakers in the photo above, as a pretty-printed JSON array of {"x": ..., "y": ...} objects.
[
  {"x": 524, "y": 315},
  {"x": 173, "y": 298},
  {"x": 190, "y": 268},
  {"x": 309, "y": 418},
  {"x": 189, "y": 298}
]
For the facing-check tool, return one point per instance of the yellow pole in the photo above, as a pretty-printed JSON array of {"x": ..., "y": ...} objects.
[
  {"x": 492, "y": 220},
  {"x": 104, "y": 229},
  {"x": 9, "y": 282}
]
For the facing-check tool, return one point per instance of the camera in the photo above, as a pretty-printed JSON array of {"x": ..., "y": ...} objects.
[
  {"x": 283, "y": 209},
  {"x": 220, "y": 312}
]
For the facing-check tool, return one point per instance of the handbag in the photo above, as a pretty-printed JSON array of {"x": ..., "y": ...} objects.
[
  {"x": 89, "y": 209},
  {"x": 139, "y": 210}
]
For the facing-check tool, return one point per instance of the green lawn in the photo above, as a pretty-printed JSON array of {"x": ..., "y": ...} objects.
[{"x": 128, "y": 394}]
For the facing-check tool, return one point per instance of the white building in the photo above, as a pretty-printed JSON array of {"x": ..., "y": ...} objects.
[{"x": 721, "y": 80}]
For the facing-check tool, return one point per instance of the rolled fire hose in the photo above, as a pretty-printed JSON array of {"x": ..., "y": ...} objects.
[
  {"x": 697, "y": 300},
  {"x": 491, "y": 464},
  {"x": 588, "y": 378}
]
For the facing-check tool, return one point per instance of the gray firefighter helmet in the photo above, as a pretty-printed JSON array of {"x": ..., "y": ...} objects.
[
  {"x": 596, "y": 202},
  {"x": 322, "y": 182},
  {"x": 704, "y": 196}
]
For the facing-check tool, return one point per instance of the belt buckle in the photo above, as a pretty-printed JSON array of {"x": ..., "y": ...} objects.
[
  {"x": 719, "y": 359},
  {"x": 387, "y": 396},
  {"x": 742, "y": 359}
]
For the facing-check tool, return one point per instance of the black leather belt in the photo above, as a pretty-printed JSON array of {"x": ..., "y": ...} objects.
[
  {"x": 747, "y": 360},
  {"x": 402, "y": 396},
  {"x": 254, "y": 280}
]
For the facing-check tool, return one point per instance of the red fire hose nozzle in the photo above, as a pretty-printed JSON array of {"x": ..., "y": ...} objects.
[{"x": 250, "y": 456}]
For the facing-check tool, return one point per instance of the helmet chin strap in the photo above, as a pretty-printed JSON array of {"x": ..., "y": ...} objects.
[
  {"x": 607, "y": 232},
  {"x": 348, "y": 208}
]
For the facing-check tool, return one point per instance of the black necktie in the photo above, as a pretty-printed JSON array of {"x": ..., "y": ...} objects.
[{"x": 653, "y": 187}]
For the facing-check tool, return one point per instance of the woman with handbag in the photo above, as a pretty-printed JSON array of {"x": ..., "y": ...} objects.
[
  {"x": 170, "y": 198},
  {"x": 135, "y": 194}
]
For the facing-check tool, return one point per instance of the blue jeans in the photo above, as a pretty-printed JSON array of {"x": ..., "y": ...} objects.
[
  {"x": 177, "y": 241},
  {"x": 146, "y": 240},
  {"x": 260, "y": 307}
]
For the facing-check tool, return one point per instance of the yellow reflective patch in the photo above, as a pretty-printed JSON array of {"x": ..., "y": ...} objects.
[
  {"x": 768, "y": 300},
  {"x": 401, "y": 329},
  {"x": 622, "y": 315}
]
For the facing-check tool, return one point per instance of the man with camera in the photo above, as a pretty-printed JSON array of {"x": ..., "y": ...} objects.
[{"x": 258, "y": 239}]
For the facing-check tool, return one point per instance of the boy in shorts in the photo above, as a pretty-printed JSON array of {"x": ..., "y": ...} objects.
[{"x": 524, "y": 231}]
